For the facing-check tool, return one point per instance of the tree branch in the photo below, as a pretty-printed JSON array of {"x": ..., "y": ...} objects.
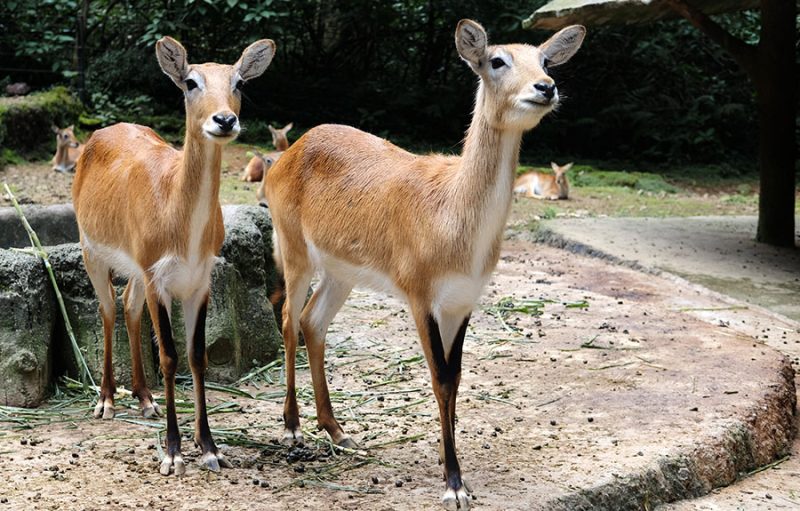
[{"x": 744, "y": 54}]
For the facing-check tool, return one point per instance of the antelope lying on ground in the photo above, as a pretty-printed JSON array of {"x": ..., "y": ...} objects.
[
  {"x": 152, "y": 213},
  {"x": 68, "y": 149},
  {"x": 261, "y": 162},
  {"x": 366, "y": 213},
  {"x": 545, "y": 186}
]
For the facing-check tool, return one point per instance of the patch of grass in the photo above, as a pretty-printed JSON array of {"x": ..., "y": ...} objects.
[
  {"x": 549, "y": 212},
  {"x": 233, "y": 191},
  {"x": 586, "y": 176}
]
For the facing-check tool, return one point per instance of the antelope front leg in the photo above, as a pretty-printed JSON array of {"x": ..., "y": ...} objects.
[
  {"x": 194, "y": 314},
  {"x": 444, "y": 362},
  {"x": 159, "y": 315}
]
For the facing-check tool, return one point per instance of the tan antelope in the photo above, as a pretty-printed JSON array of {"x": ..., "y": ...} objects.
[
  {"x": 261, "y": 162},
  {"x": 152, "y": 213},
  {"x": 544, "y": 186},
  {"x": 68, "y": 149},
  {"x": 364, "y": 212}
]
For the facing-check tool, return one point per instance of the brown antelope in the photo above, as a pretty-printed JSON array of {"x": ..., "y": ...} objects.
[
  {"x": 68, "y": 149},
  {"x": 544, "y": 186},
  {"x": 261, "y": 162},
  {"x": 152, "y": 213},
  {"x": 364, "y": 212}
]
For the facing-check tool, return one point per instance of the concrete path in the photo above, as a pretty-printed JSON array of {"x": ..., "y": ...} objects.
[{"x": 718, "y": 253}]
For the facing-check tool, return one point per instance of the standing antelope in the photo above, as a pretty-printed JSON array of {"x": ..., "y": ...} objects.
[
  {"x": 365, "y": 212},
  {"x": 545, "y": 186},
  {"x": 152, "y": 213},
  {"x": 68, "y": 149},
  {"x": 261, "y": 162}
]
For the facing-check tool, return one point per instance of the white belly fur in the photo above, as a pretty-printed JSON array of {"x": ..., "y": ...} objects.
[
  {"x": 357, "y": 276},
  {"x": 172, "y": 276}
]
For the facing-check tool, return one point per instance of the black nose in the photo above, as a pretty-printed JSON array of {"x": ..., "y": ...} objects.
[
  {"x": 548, "y": 89},
  {"x": 225, "y": 122}
]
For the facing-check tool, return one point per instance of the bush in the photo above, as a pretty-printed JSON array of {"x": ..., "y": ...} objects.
[{"x": 25, "y": 121}]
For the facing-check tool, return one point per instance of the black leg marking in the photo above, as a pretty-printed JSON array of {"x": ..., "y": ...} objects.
[
  {"x": 448, "y": 375},
  {"x": 198, "y": 361},
  {"x": 168, "y": 367}
]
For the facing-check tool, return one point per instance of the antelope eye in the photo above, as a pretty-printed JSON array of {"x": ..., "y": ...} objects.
[
  {"x": 497, "y": 63},
  {"x": 239, "y": 84},
  {"x": 190, "y": 84},
  {"x": 546, "y": 64}
]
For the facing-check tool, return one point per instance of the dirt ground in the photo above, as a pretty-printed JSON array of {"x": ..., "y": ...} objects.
[{"x": 620, "y": 372}]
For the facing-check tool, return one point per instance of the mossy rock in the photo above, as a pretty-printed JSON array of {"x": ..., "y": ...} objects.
[
  {"x": 25, "y": 121},
  {"x": 27, "y": 321}
]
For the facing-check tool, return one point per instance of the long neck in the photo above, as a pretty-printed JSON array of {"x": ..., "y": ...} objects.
[
  {"x": 198, "y": 176},
  {"x": 62, "y": 154},
  {"x": 488, "y": 165}
]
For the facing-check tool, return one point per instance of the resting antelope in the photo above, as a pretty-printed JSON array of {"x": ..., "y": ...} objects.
[
  {"x": 261, "y": 162},
  {"x": 545, "y": 186},
  {"x": 68, "y": 149},
  {"x": 152, "y": 213},
  {"x": 364, "y": 212}
]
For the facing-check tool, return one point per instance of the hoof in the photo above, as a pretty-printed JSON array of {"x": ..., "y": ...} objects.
[
  {"x": 151, "y": 410},
  {"x": 213, "y": 462},
  {"x": 454, "y": 500},
  {"x": 104, "y": 408},
  {"x": 172, "y": 462},
  {"x": 292, "y": 437},
  {"x": 347, "y": 443}
]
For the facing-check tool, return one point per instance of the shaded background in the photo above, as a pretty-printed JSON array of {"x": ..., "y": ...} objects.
[{"x": 654, "y": 95}]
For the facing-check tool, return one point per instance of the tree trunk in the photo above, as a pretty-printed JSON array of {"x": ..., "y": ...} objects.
[
  {"x": 82, "y": 16},
  {"x": 776, "y": 86}
]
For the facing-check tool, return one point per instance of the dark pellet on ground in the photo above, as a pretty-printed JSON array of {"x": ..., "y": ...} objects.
[
  {"x": 552, "y": 423},
  {"x": 590, "y": 419},
  {"x": 398, "y": 483},
  {"x": 374, "y": 479}
]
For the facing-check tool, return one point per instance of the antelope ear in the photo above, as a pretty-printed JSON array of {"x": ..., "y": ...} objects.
[
  {"x": 554, "y": 166},
  {"x": 567, "y": 166},
  {"x": 172, "y": 58},
  {"x": 563, "y": 44},
  {"x": 471, "y": 43},
  {"x": 286, "y": 129},
  {"x": 71, "y": 127},
  {"x": 255, "y": 59},
  {"x": 54, "y": 128}
]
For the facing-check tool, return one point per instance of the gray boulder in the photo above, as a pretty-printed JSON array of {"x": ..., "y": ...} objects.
[
  {"x": 27, "y": 320},
  {"x": 241, "y": 332}
]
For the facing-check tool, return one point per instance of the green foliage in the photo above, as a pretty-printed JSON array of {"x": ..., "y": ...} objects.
[
  {"x": 584, "y": 176},
  {"x": 25, "y": 122},
  {"x": 659, "y": 92}
]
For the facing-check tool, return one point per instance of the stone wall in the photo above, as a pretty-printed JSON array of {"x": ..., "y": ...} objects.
[{"x": 241, "y": 332}]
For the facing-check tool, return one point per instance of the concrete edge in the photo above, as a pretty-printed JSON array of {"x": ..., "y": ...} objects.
[
  {"x": 760, "y": 435},
  {"x": 547, "y": 236}
]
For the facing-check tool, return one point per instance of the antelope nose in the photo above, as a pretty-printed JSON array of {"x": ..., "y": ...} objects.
[
  {"x": 547, "y": 89},
  {"x": 225, "y": 121}
]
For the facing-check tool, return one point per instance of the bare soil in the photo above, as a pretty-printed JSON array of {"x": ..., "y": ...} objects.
[{"x": 621, "y": 376}]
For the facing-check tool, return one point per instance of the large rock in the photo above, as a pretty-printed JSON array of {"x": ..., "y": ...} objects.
[
  {"x": 241, "y": 332},
  {"x": 27, "y": 320},
  {"x": 84, "y": 316}
]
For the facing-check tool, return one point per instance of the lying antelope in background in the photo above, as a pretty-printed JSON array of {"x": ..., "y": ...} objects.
[
  {"x": 261, "y": 162},
  {"x": 68, "y": 149},
  {"x": 152, "y": 213},
  {"x": 364, "y": 212},
  {"x": 544, "y": 186}
]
